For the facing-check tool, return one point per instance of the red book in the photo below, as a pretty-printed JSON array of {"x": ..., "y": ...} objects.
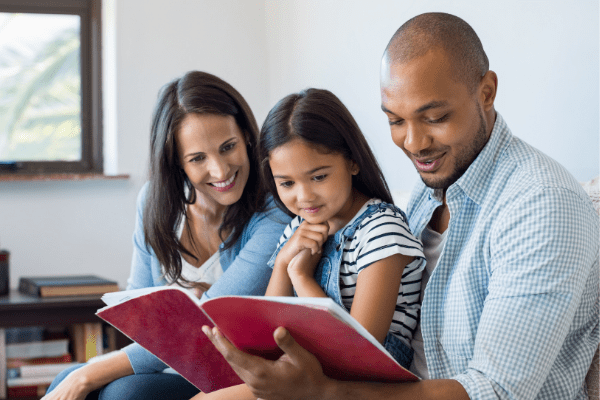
[
  {"x": 19, "y": 362},
  {"x": 29, "y": 391},
  {"x": 167, "y": 321}
]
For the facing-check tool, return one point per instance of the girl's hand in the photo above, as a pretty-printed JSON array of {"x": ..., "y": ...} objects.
[
  {"x": 307, "y": 236},
  {"x": 309, "y": 239},
  {"x": 303, "y": 266}
]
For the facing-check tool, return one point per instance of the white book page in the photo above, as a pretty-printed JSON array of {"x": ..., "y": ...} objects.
[{"x": 114, "y": 298}]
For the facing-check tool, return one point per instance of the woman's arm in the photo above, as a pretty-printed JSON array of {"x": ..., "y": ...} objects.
[
  {"x": 376, "y": 294},
  {"x": 248, "y": 273},
  {"x": 79, "y": 383}
]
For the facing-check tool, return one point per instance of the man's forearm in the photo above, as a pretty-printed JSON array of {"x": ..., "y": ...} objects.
[{"x": 437, "y": 389}]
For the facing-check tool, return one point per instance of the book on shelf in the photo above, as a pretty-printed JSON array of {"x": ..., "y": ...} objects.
[
  {"x": 71, "y": 285},
  {"x": 167, "y": 322},
  {"x": 87, "y": 341},
  {"x": 19, "y": 362},
  {"x": 27, "y": 391},
  {"x": 44, "y": 348},
  {"x": 30, "y": 377},
  {"x": 30, "y": 381},
  {"x": 36, "y": 371}
]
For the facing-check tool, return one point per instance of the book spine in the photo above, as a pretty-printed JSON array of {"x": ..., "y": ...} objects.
[
  {"x": 28, "y": 387},
  {"x": 4, "y": 276},
  {"x": 19, "y": 362},
  {"x": 2, "y": 363},
  {"x": 31, "y": 371},
  {"x": 48, "y": 348},
  {"x": 29, "y": 381},
  {"x": 29, "y": 391},
  {"x": 28, "y": 287},
  {"x": 80, "y": 290},
  {"x": 87, "y": 341}
]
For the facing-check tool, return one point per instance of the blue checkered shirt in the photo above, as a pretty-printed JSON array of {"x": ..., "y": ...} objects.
[{"x": 511, "y": 309}]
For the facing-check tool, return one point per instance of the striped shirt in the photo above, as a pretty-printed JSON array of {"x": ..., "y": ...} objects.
[{"x": 380, "y": 235}]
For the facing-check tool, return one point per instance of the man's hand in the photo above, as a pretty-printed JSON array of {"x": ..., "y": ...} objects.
[{"x": 296, "y": 375}]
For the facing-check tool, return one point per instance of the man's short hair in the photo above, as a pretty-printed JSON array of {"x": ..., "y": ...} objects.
[{"x": 452, "y": 34}]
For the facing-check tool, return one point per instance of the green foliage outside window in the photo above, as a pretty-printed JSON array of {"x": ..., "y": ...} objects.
[{"x": 40, "y": 87}]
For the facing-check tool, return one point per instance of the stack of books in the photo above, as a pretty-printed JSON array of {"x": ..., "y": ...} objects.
[
  {"x": 33, "y": 365},
  {"x": 72, "y": 285}
]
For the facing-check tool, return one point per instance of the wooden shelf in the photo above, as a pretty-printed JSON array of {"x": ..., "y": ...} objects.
[
  {"x": 15, "y": 177},
  {"x": 17, "y": 309}
]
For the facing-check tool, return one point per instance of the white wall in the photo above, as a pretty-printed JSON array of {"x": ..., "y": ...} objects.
[
  {"x": 85, "y": 227},
  {"x": 545, "y": 53}
]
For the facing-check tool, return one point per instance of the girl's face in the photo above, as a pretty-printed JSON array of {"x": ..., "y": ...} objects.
[
  {"x": 212, "y": 152},
  {"x": 314, "y": 185}
]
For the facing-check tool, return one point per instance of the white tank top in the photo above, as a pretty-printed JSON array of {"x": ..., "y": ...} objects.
[{"x": 433, "y": 244}]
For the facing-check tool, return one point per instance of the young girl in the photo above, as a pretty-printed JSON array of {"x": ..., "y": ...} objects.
[{"x": 348, "y": 241}]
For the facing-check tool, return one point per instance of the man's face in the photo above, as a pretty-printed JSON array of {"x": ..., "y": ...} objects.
[{"x": 433, "y": 117}]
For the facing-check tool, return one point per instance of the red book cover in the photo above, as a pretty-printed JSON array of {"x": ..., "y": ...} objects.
[{"x": 168, "y": 321}]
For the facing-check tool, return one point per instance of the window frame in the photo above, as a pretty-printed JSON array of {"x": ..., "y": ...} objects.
[{"x": 91, "y": 86}]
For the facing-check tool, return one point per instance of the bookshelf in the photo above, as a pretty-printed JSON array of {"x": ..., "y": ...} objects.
[{"x": 78, "y": 312}]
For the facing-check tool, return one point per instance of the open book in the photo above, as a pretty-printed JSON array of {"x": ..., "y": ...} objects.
[{"x": 167, "y": 321}]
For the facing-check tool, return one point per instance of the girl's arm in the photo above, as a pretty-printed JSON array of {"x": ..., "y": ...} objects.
[
  {"x": 280, "y": 283},
  {"x": 239, "y": 392},
  {"x": 376, "y": 294},
  {"x": 301, "y": 271}
]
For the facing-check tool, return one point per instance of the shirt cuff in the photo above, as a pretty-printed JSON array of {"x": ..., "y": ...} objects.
[{"x": 477, "y": 386}]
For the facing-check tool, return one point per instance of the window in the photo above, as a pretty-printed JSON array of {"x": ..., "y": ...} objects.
[{"x": 50, "y": 87}]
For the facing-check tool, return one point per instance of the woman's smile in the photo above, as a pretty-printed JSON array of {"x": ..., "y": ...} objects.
[{"x": 224, "y": 186}]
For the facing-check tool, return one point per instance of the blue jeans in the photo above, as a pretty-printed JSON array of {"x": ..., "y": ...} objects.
[{"x": 138, "y": 387}]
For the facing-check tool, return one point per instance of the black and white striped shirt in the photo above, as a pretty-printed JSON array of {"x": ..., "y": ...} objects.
[{"x": 380, "y": 235}]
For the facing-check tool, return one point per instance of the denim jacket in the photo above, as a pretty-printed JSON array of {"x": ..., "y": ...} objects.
[
  {"x": 327, "y": 272},
  {"x": 244, "y": 270}
]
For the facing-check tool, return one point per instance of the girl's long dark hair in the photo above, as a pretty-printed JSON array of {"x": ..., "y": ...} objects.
[
  {"x": 319, "y": 118},
  {"x": 199, "y": 93}
]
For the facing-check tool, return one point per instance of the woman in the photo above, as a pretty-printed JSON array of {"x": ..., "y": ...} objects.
[{"x": 202, "y": 213}]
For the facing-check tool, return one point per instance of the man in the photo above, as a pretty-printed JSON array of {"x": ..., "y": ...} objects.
[{"x": 511, "y": 241}]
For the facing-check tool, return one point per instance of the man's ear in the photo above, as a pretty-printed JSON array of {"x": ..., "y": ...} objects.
[{"x": 487, "y": 90}]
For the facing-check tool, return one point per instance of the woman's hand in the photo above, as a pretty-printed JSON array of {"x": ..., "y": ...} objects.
[
  {"x": 74, "y": 387},
  {"x": 79, "y": 383}
]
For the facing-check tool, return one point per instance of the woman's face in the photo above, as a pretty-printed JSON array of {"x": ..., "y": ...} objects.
[{"x": 212, "y": 152}]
